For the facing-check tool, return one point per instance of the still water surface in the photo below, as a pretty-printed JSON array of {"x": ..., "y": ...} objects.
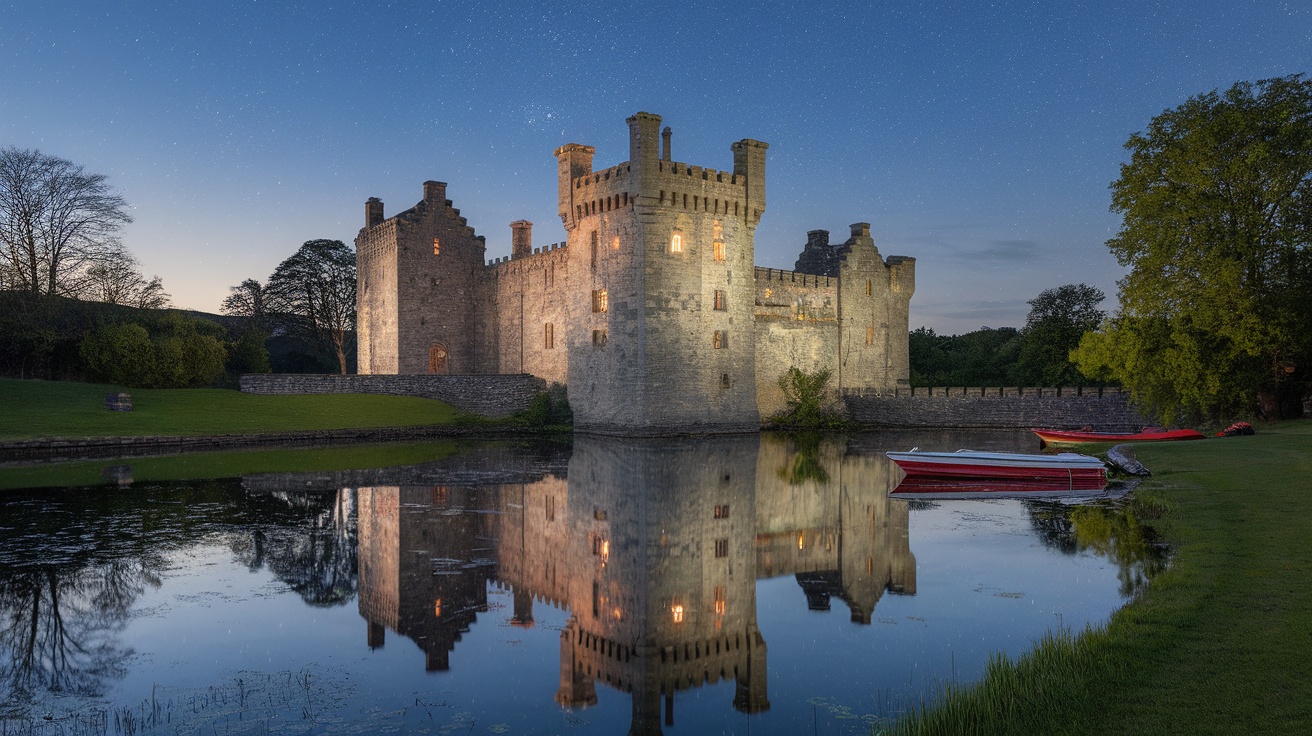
[{"x": 745, "y": 584}]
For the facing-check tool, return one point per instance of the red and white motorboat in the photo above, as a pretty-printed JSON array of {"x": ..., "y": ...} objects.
[
  {"x": 1004, "y": 470},
  {"x": 1079, "y": 437}
]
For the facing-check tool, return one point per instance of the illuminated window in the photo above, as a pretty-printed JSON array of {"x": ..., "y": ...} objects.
[
  {"x": 719, "y": 250},
  {"x": 721, "y": 548},
  {"x": 677, "y": 610},
  {"x": 548, "y": 336},
  {"x": 437, "y": 246},
  {"x": 599, "y": 300},
  {"x": 867, "y": 287},
  {"x": 720, "y": 339},
  {"x": 720, "y": 300},
  {"x": 719, "y": 600},
  {"x": 722, "y": 512},
  {"x": 437, "y": 608},
  {"x": 870, "y": 336},
  {"x": 676, "y": 243},
  {"x": 598, "y": 338},
  {"x": 615, "y": 244},
  {"x": 800, "y": 541}
]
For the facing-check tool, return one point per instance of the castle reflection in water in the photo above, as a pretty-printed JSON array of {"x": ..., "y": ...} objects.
[{"x": 654, "y": 548}]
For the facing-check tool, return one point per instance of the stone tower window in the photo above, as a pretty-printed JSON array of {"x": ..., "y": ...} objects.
[
  {"x": 437, "y": 359},
  {"x": 548, "y": 336},
  {"x": 676, "y": 243},
  {"x": 720, "y": 339},
  {"x": 600, "y": 301},
  {"x": 594, "y": 252},
  {"x": 717, "y": 229},
  {"x": 437, "y": 246},
  {"x": 598, "y": 338},
  {"x": 721, "y": 548},
  {"x": 720, "y": 301},
  {"x": 615, "y": 244},
  {"x": 719, "y": 250},
  {"x": 870, "y": 336},
  {"x": 722, "y": 512},
  {"x": 867, "y": 287}
]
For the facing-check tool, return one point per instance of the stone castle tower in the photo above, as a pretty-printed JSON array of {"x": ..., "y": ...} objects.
[
  {"x": 652, "y": 311},
  {"x": 663, "y": 337}
]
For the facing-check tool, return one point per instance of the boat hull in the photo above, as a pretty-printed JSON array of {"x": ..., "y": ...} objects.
[{"x": 1074, "y": 437}]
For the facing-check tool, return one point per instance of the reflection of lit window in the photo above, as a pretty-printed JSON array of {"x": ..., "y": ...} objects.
[
  {"x": 605, "y": 550},
  {"x": 676, "y": 243},
  {"x": 677, "y": 610},
  {"x": 799, "y": 540},
  {"x": 437, "y": 608},
  {"x": 719, "y": 340},
  {"x": 437, "y": 246},
  {"x": 617, "y": 613},
  {"x": 719, "y": 250},
  {"x": 719, "y": 600}
]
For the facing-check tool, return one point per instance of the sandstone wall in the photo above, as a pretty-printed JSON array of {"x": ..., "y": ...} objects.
[
  {"x": 494, "y": 396},
  {"x": 1103, "y": 409},
  {"x": 528, "y": 318}
]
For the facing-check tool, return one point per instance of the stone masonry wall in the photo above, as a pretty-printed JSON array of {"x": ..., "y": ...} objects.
[
  {"x": 1106, "y": 410},
  {"x": 493, "y": 396}
]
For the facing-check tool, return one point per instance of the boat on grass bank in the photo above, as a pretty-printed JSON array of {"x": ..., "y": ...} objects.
[
  {"x": 1002, "y": 472},
  {"x": 1081, "y": 437}
]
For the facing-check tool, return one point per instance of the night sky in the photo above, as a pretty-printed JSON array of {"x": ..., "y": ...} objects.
[{"x": 978, "y": 138}]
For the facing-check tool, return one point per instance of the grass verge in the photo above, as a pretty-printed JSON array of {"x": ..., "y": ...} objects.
[
  {"x": 37, "y": 409},
  {"x": 1221, "y": 642}
]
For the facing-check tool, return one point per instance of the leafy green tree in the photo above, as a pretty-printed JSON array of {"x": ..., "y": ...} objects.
[
  {"x": 1217, "y": 234},
  {"x": 120, "y": 353},
  {"x": 984, "y": 357},
  {"x": 1058, "y": 318},
  {"x": 314, "y": 290}
]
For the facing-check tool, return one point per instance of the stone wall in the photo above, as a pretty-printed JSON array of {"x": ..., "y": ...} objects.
[
  {"x": 1104, "y": 409},
  {"x": 493, "y": 396}
]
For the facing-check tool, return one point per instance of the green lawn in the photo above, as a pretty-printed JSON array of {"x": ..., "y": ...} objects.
[
  {"x": 1221, "y": 642},
  {"x": 34, "y": 409}
]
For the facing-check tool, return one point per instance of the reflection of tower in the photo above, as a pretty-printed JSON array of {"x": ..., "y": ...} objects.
[
  {"x": 662, "y": 574},
  {"x": 417, "y": 575},
  {"x": 825, "y": 517}
]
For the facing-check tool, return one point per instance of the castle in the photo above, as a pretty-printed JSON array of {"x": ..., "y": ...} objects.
[{"x": 646, "y": 312}]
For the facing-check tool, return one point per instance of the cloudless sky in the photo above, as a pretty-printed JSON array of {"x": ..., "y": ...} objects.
[{"x": 979, "y": 138}]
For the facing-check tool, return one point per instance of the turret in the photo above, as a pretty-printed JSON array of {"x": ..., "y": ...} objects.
[
  {"x": 572, "y": 161},
  {"x": 644, "y": 163},
  {"x": 521, "y": 239},
  {"x": 749, "y": 162}
]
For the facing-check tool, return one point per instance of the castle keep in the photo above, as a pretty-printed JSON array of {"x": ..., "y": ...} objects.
[{"x": 652, "y": 311}]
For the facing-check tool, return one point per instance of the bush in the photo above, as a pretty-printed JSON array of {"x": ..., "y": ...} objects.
[{"x": 810, "y": 403}]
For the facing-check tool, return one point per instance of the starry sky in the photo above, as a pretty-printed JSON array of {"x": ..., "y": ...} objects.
[{"x": 979, "y": 138}]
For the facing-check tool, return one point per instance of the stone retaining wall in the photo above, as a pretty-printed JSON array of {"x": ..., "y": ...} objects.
[
  {"x": 1104, "y": 409},
  {"x": 492, "y": 396}
]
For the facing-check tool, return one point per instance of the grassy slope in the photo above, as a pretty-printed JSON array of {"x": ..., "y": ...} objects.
[
  {"x": 1220, "y": 643},
  {"x": 33, "y": 409}
]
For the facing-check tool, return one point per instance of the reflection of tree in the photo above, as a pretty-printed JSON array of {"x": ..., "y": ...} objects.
[
  {"x": 806, "y": 464},
  {"x": 1115, "y": 533},
  {"x": 1111, "y": 531},
  {"x": 312, "y": 548},
  {"x": 59, "y": 625}
]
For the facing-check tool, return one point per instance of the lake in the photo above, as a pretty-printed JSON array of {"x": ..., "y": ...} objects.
[{"x": 762, "y": 584}]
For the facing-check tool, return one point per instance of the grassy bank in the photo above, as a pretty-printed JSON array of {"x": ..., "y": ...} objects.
[
  {"x": 1221, "y": 643},
  {"x": 34, "y": 409}
]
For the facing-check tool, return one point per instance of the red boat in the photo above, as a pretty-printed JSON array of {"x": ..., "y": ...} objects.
[
  {"x": 1148, "y": 434},
  {"x": 1004, "y": 471}
]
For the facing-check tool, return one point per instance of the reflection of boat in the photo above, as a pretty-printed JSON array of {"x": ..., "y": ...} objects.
[
  {"x": 1001, "y": 471},
  {"x": 1149, "y": 434}
]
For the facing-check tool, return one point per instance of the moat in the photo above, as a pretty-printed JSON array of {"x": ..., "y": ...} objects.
[{"x": 764, "y": 584}]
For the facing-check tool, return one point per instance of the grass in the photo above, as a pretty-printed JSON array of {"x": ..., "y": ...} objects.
[
  {"x": 1221, "y": 642},
  {"x": 48, "y": 409},
  {"x": 230, "y": 464}
]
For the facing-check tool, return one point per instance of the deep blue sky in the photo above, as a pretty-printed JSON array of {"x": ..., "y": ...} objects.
[{"x": 978, "y": 138}]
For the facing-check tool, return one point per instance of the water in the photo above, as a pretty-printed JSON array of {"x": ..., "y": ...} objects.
[{"x": 764, "y": 585}]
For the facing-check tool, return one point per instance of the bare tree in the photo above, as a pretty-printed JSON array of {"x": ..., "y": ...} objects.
[
  {"x": 248, "y": 299},
  {"x": 55, "y": 219},
  {"x": 315, "y": 289},
  {"x": 115, "y": 278}
]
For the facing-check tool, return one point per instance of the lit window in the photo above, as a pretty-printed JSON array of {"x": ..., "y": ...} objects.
[
  {"x": 867, "y": 287},
  {"x": 719, "y": 600},
  {"x": 437, "y": 246},
  {"x": 719, "y": 250},
  {"x": 615, "y": 244},
  {"x": 720, "y": 339},
  {"x": 599, "y": 300},
  {"x": 677, "y": 610},
  {"x": 437, "y": 608},
  {"x": 676, "y": 243},
  {"x": 800, "y": 541},
  {"x": 722, "y": 512},
  {"x": 720, "y": 300}
]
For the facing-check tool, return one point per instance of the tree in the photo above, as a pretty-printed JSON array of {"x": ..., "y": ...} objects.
[
  {"x": 314, "y": 289},
  {"x": 1058, "y": 318},
  {"x": 114, "y": 278},
  {"x": 1217, "y": 208},
  {"x": 248, "y": 299},
  {"x": 55, "y": 219}
]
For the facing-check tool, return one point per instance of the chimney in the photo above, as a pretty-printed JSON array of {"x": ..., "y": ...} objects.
[
  {"x": 665, "y": 143},
  {"x": 521, "y": 238},
  {"x": 435, "y": 192},
  {"x": 373, "y": 212}
]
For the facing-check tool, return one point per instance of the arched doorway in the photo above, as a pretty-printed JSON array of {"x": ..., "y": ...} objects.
[{"x": 437, "y": 358}]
